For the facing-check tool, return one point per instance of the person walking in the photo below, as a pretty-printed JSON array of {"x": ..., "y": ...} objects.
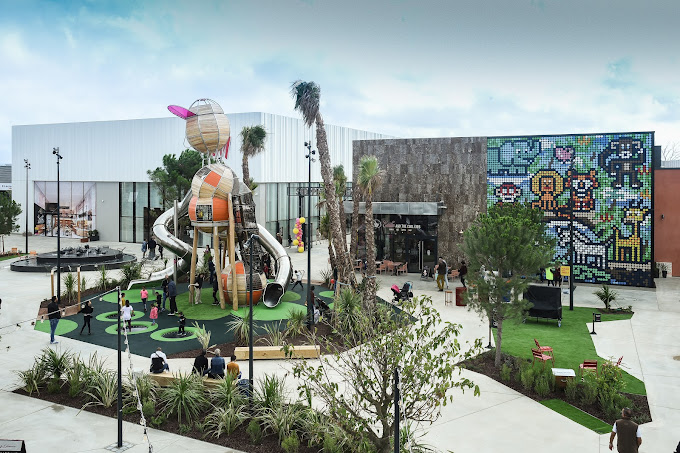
[
  {"x": 152, "y": 248},
  {"x": 215, "y": 288},
  {"x": 197, "y": 292},
  {"x": 462, "y": 271},
  {"x": 54, "y": 315},
  {"x": 153, "y": 316},
  {"x": 144, "y": 295},
  {"x": 164, "y": 285},
  {"x": 145, "y": 246},
  {"x": 441, "y": 272},
  {"x": 172, "y": 294},
  {"x": 297, "y": 279},
  {"x": 127, "y": 312},
  {"x": 628, "y": 431},
  {"x": 557, "y": 275},
  {"x": 87, "y": 317},
  {"x": 160, "y": 251}
]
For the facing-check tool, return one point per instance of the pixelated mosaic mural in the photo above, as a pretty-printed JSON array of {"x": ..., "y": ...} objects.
[{"x": 606, "y": 178}]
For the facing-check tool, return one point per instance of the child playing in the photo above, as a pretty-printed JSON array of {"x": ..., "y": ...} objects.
[
  {"x": 145, "y": 295},
  {"x": 153, "y": 316},
  {"x": 158, "y": 299},
  {"x": 182, "y": 322},
  {"x": 122, "y": 299}
]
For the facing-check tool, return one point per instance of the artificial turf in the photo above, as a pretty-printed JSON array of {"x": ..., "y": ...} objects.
[
  {"x": 571, "y": 343},
  {"x": 577, "y": 415}
]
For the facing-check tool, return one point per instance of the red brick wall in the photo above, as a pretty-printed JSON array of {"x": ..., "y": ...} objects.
[{"x": 667, "y": 230}]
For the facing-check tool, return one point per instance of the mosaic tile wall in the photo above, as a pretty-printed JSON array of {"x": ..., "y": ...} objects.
[{"x": 606, "y": 178}]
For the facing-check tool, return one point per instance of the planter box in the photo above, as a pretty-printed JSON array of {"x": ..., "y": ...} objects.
[{"x": 84, "y": 239}]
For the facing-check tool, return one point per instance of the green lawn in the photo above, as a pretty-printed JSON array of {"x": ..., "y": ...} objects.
[
  {"x": 9, "y": 257},
  {"x": 577, "y": 415},
  {"x": 571, "y": 343}
]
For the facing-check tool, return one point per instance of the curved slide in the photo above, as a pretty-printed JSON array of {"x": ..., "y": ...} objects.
[{"x": 161, "y": 229}]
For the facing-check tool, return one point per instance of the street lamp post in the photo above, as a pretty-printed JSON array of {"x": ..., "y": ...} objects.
[
  {"x": 308, "y": 239},
  {"x": 249, "y": 244},
  {"x": 27, "y": 166},
  {"x": 55, "y": 151},
  {"x": 571, "y": 236}
]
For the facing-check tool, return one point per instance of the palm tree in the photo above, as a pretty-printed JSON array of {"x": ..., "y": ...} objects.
[
  {"x": 370, "y": 178},
  {"x": 354, "y": 233},
  {"x": 307, "y": 96},
  {"x": 252, "y": 143},
  {"x": 325, "y": 229}
]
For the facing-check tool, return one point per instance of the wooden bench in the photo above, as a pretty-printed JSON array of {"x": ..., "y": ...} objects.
[
  {"x": 538, "y": 355},
  {"x": 276, "y": 352},
  {"x": 166, "y": 378},
  {"x": 453, "y": 273}
]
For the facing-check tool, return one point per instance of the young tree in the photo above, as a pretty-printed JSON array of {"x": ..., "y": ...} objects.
[
  {"x": 370, "y": 178},
  {"x": 173, "y": 179},
  {"x": 510, "y": 243},
  {"x": 252, "y": 144},
  {"x": 9, "y": 211},
  {"x": 307, "y": 96},
  {"x": 356, "y": 386}
]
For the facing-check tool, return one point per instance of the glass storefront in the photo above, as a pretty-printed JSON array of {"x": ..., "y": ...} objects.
[
  {"x": 76, "y": 206},
  {"x": 284, "y": 205},
  {"x": 140, "y": 204},
  {"x": 403, "y": 238}
]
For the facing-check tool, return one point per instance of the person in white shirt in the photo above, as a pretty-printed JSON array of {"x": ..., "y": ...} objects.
[
  {"x": 159, "y": 362},
  {"x": 127, "y": 313},
  {"x": 297, "y": 279}
]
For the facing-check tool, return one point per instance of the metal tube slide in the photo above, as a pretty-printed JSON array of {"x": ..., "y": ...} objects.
[{"x": 275, "y": 290}]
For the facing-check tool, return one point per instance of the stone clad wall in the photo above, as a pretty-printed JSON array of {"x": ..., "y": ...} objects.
[{"x": 452, "y": 170}]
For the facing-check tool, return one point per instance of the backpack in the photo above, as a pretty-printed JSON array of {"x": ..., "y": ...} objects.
[{"x": 157, "y": 364}]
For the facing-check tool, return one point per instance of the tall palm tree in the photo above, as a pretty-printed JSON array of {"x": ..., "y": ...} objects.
[
  {"x": 354, "y": 233},
  {"x": 340, "y": 181},
  {"x": 252, "y": 143},
  {"x": 370, "y": 178},
  {"x": 307, "y": 96},
  {"x": 325, "y": 229}
]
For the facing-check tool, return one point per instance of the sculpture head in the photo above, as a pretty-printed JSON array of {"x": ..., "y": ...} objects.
[{"x": 207, "y": 127}]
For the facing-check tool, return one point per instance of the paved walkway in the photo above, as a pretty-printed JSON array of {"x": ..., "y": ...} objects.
[{"x": 500, "y": 420}]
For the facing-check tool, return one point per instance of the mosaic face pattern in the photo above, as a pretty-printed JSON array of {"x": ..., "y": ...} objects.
[{"x": 606, "y": 179}]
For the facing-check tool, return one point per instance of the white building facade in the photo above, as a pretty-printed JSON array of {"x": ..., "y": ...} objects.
[{"x": 104, "y": 181}]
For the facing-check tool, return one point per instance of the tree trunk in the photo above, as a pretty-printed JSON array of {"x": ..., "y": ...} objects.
[
  {"x": 354, "y": 231},
  {"x": 345, "y": 272},
  {"x": 246, "y": 171},
  {"x": 499, "y": 335},
  {"x": 343, "y": 220},
  {"x": 370, "y": 252}
]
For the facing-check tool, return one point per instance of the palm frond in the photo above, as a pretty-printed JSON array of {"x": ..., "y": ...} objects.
[{"x": 307, "y": 96}]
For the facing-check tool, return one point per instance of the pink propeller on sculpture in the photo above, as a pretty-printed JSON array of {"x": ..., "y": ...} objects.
[{"x": 180, "y": 111}]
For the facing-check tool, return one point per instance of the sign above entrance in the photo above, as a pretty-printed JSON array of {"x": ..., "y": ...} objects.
[{"x": 317, "y": 189}]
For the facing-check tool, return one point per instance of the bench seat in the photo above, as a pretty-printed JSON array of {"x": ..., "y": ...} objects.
[{"x": 276, "y": 352}]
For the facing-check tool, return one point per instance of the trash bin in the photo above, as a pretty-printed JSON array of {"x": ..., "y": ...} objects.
[
  {"x": 460, "y": 297},
  {"x": 562, "y": 376}
]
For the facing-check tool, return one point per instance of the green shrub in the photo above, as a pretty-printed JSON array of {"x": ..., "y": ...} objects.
[
  {"x": 291, "y": 444},
  {"x": 103, "y": 282},
  {"x": 54, "y": 386},
  {"x": 226, "y": 393},
  {"x": 330, "y": 444},
  {"x": 131, "y": 271},
  {"x": 148, "y": 408},
  {"x": 127, "y": 410},
  {"x": 588, "y": 390},
  {"x": 33, "y": 378},
  {"x": 621, "y": 401},
  {"x": 158, "y": 420},
  {"x": 240, "y": 328},
  {"x": 185, "y": 397},
  {"x": 505, "y": 372},
  {"x": 77, "y": 377},
  {"x": 255, "y": 432},
  {"x": 224, "y": 420},
  {"x": 641, "y": 418},
  {"x": 184, "y": 429},
  {"x": 347, "y": 308},
  {"x": 70, "y": 284},
  {"x": 297, "y": 320},
  {"x": 281, "y": 420},
  {"x": 270, "y": 392},
  {"x": 275, "y": 336},
  {"x": 542, "y": 385},
  {"x": 571, "y": 391},
  {"x": 56, "y": 363},
  {"x": 527, "y": 378},
  {"x": 103, "y": 388}
]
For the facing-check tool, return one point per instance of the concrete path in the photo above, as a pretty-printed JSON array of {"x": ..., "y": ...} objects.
[{"x": 500, "y": 420}]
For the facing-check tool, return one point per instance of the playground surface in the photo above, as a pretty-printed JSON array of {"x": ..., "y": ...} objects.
[{"x": 515, "y": 422}]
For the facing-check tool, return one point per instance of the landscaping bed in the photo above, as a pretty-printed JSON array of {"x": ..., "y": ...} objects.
[{"x": 484, "y": 364}]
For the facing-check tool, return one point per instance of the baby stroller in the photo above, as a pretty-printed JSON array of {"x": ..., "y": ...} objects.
[{"x": 402, "y": 294}]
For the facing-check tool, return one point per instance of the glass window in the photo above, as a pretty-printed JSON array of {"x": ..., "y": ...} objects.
[
  {"x": 126, "y": 233},
  {"x": 126, "y": 199},
  {"x": 142, "y": 189}
]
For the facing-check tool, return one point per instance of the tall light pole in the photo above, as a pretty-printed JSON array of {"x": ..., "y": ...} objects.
[
  {"x": 55, "y": 151},
  {"x": 27, "y": 166},
  {"x": 308, "y": 239},
  {"x": 571, "y": 235}
]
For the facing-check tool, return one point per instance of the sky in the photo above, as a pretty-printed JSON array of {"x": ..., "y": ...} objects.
[{"x": 421, "y": 68}]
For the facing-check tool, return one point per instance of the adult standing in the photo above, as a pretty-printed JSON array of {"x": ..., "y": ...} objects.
[
  {"x": 199, "y": 285},
  {"x": 145, "y": 246},
  {"x": 164, "y": 285},
  {"x": 87, "y": 317},
  {"x": 152, "y": 248},
  {"x": 441, "y": 272},
  {"x": 172, "y": 294},
  {"x": 628, "y": 431},
  {"x": 54, "y": 315},
  {"x": 160, "y": 251},
  {"x": 463, "y": 273},
  {"x": 215, "y": 288},
  {"x": 557, "y": 275}
]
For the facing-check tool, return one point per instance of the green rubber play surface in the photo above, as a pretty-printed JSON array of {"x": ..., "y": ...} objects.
[{"x": 147, "y": 337}]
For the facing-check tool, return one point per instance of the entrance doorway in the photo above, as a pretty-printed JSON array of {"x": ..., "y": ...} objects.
[{"x": 421, "y": 251}]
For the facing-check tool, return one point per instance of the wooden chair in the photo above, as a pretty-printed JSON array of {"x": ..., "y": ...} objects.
[
  {"x": 542, "y": 357},
  {"x": 453, "y": 273},
  {"x": 382, "y": 268},
  {"x": 357, "y": 265},
  {"x": 544, "y": 348},
  {"x": 588, "y": 365},
  {"x": 402, "y": 269}
]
